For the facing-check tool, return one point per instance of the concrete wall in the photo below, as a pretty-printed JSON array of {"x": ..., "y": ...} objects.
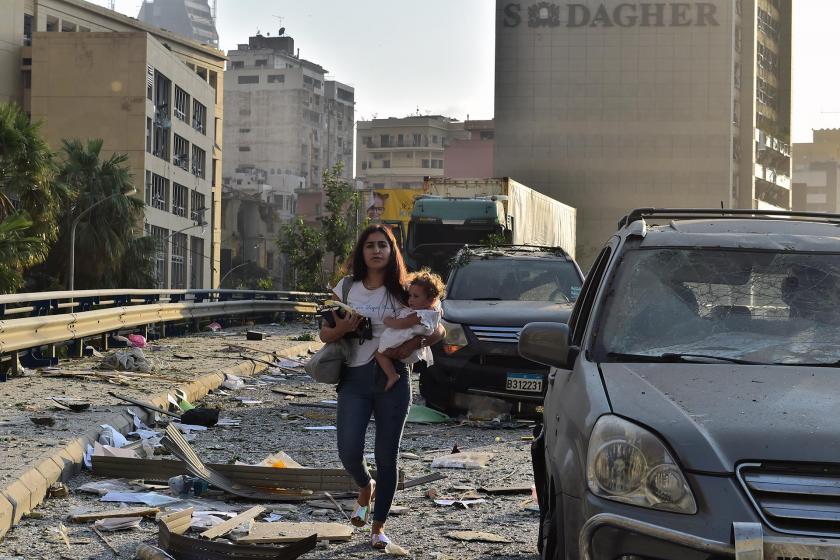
[{"x": 11, "y": 41}]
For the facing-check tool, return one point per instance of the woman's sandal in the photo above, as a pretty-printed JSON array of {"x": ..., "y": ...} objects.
[
  {"x": 379, "y": 541},
  {"x": 362, "y": 513}
]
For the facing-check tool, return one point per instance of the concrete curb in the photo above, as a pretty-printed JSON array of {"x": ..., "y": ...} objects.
[{"x": 30, "y": 488}]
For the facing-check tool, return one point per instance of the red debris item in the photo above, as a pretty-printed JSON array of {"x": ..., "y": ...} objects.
[
  {"x": 137, "y": 340},
  {"x": 214, "y": 327}
]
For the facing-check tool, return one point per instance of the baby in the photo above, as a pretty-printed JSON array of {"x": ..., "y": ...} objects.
[{"x": 421, "y": 318}]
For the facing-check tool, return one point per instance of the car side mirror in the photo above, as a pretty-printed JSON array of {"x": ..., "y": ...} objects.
[{"x": 547, "y": 343}]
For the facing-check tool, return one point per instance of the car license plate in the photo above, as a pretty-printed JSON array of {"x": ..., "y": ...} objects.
[
  {"x": 752, "y": 544},
  {"x": 528, "y": 382}
]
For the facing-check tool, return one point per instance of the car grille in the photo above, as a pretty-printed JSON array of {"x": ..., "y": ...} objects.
[
  {"x": 496, "y": 334},
  {"x": 798, "y": 499}
]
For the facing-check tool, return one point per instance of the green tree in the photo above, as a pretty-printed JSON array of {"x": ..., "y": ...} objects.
[
  {"x": 340, "y": 222},
  {"x": 110, "y": 250},
  {"x": 30, "y": 199},
  {"x": 304, "y": 247}
]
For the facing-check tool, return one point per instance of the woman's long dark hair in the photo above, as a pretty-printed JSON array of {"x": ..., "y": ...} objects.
[{"x": 395, "y": 272}]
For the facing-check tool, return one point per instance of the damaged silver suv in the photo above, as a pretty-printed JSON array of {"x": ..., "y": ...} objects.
[{"x": 693, "y": 403}]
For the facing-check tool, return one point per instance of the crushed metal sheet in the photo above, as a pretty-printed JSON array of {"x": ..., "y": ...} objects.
[{"x": 171, "y": 529}]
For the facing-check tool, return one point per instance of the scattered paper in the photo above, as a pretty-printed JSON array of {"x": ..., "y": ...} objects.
[
  {"x": 320, "y": 428},
  {"x": 233, "y": 382},
  {"x": 100, "y": 450},
  {"x": 118, "y": 523},
  {"x": 188, "y": 428},
  {"x": 395, "y": 550},
  {"x": 147, "y": 498},
  {"x": 111, "y": 437},
  {"x": 464, "y": 460},
  {"x": 246, "y": 400},
  {"x": 102, "y": 487}
]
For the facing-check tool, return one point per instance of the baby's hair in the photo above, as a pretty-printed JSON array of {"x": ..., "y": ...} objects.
[{"x": 431, "y": 283}]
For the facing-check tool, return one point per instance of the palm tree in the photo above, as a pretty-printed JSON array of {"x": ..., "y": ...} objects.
[
  {"x": 30, "y": 199},
  {"x": 106, "y": 241}
]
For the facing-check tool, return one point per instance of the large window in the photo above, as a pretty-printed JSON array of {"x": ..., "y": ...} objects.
[
  {"x": 160, "y": 236},
  {"x": 249, "y": 79},
  {"x": 197, "y": 209},
  {"x": 181, "y": 153},
  {"x": 179, "y": 268},
  {"x": 179, "y": 200},
  {"x": 199, "y": 161},
  {"x": 276, "y": 78},
  {"x": 182, "y": 104},
  {"x": 199, "y": 119},
  {"x": 157, "y": 191},
  {"x": 196, "y": 257},
  {"x": 27, "y": 29},
  {"x": 526, "y": 279}
]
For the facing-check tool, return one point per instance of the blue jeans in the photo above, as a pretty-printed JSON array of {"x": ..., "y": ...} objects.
[{"x": 360, "y": 394}]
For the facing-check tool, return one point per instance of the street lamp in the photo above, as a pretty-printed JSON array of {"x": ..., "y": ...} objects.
[
  {"x": 72, "y": 271},
  {"x": 222, "y": 281}
]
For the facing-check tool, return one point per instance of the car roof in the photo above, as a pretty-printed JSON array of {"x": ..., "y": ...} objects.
[
  {"x": 517, "y": 251},
  {"x": 773, "y": 235}
]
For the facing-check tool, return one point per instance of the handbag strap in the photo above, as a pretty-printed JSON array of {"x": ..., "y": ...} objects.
[{"x": 346, "y": 284}]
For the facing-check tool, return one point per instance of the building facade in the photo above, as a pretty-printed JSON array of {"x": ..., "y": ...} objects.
[
  {"x": 471, "y": 157},
  {"x": 397, "y": 153},
  {"x": 816, "y": 173},
  {"x": 286, "y": 119},
  {"x": 610, "y": 106},
  {"x": 89, "y": 72},
  {"x": 190, "y": 18}
]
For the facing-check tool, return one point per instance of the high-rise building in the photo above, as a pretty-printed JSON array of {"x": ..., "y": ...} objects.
[
  {"x": 397, "y": 153},
  {"x": 608, "y": 106},
  {"x": 89, "y": 72},
  {"x": 190, "y": 18},
  {"x": 285, "y": 118}
]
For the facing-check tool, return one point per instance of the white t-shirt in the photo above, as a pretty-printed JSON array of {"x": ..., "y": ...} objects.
[{"x": 374, "y": 304}]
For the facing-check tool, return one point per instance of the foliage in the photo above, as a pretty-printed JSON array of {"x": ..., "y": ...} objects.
[
  {"x": 265, "y": 284},
  {"x": 305, "y": 337},
  {"x": 494, "y": 240},
  {"x": 339, "y": 225},
  {"x": 304, "y": 247},
  {"x": 109, "y": 253},
  {"x": 246, "y": 276},
  {"x": 30, "y": 198}
]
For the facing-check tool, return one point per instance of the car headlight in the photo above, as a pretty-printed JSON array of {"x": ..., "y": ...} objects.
[
  {"x": 626, "y": 463},
  {"x": 455, "y": 337}
]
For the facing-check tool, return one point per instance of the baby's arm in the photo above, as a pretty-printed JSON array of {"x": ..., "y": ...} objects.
[{"x": 404, "y": 323}]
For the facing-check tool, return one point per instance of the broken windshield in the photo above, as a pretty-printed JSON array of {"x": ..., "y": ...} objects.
[{"x": 758, "y": 306}]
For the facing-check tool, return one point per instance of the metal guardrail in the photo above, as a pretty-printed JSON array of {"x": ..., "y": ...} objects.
[{"x": 59, "y": 317}]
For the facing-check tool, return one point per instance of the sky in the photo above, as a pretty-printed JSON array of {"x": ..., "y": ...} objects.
[{"x": 436, "y": 56}]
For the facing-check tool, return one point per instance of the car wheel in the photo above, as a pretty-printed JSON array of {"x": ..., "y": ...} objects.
[
  {"x": 551, "y": 529},
  {"x": 435, "y": 391}
]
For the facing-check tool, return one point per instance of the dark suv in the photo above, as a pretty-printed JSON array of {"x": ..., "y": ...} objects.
[
  {"x": 491, "y": 294},
  {"x": 692, "y": 405}
]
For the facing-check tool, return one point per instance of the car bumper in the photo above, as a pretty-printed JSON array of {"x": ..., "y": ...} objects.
[
  {"x": 749, "y": 541},
  {"x": 477, "y": 373}
]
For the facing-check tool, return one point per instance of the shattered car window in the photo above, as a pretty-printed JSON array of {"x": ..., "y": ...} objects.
[
  {"x": 758, "y": 306},
  {"x": 516, "y": 280}
]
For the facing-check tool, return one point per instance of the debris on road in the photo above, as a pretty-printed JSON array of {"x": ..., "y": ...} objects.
[
  {"x": 118, "y": 523},
  {"x": 114, "y": 514},
  {"x": 463, "y": 460},
  {"x": 477, "y": 536},
  {"x": 231, "y": 524},
  {"x": 284, "y": 532}
]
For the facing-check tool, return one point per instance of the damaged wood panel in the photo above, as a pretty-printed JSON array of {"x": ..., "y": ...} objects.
[
  {"x": 231, "y": 524},
  {"x": 112, "y": 513},
  {"x": 330, "y": 480},
  {"x": 283, "y": 532}
]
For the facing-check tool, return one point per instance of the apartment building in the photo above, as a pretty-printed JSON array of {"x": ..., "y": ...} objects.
[
  {"x": 472, "y": 156},
  {"x": 89, "y": 72},
  {"x": 396, "y": 153},
  {"x": 286, "y": 118},
  {"x": 610, "y": 106}
]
